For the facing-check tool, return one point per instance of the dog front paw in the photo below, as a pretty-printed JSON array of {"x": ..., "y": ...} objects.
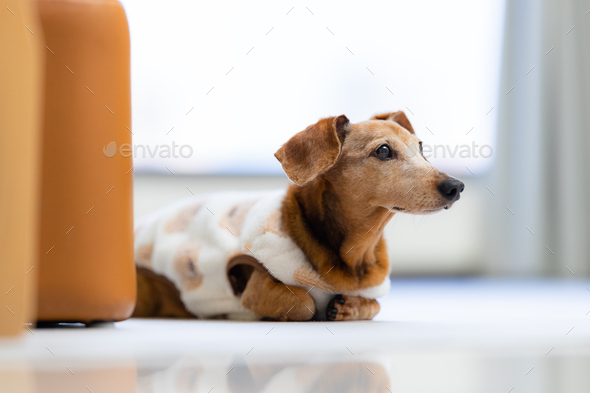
[
  {"x": 334, "y": 306},
  {"x": 351, "y": 308}
]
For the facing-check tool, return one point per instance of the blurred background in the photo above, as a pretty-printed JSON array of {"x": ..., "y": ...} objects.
[{"x": 498, "y": 91}]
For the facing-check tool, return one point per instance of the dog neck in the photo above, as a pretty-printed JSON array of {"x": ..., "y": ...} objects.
[{"x": 341, "y": 239}]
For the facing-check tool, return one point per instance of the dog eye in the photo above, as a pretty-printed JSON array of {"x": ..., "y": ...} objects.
[
  {"x": 421, "y": 150},
  {"x": 384, "y": 153}
]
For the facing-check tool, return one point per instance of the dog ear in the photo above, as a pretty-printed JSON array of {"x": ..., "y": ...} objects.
[
  {"x": 313, "y": 150},
  {"x": 399, "y": 117}
]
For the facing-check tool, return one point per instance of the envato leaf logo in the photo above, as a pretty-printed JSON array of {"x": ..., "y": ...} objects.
[
  {"x": 412, "y": 150},
  {"x": 110, "y": 150}
]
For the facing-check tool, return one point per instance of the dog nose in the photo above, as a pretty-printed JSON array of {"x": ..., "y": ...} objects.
[{"x": 451, "y": 189}]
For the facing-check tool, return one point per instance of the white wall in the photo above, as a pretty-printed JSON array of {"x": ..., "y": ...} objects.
[{"x": 450, "y": 242}]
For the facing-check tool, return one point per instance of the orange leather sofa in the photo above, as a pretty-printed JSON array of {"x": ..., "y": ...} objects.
[
  {"x": 86, "y": 266},
  {"x": 78, "y": 205}
]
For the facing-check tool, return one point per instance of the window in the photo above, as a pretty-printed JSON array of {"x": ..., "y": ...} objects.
[{"x": 232, "y": 81}]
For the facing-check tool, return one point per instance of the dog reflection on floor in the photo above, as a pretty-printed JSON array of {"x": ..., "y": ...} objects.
[{"x": 189, "y": 375}]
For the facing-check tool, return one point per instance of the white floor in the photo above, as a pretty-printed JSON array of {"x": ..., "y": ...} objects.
[{"x": 431, "y": 336}]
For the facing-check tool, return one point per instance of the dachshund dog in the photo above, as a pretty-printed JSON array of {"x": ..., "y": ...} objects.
[{"x": 313, "y": 251}]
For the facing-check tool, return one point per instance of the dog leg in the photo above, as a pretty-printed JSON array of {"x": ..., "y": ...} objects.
[
  {"x": 157, "y": 297},
  {"x": 272, "y": 299},
  {"x": 351, "y": 308}
]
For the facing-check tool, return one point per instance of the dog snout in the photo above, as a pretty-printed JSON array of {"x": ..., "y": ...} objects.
[{"x": 451, "y": 189}]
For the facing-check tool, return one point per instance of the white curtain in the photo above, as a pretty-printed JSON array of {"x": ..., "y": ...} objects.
[{"x": 539, "y": 198}]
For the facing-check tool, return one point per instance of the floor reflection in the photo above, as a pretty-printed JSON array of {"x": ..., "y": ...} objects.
[
  {"x": 240, "y": 376},
  {"x": 440, "y": 372}
]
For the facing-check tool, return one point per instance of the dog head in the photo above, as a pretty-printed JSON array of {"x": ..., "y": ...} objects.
[{"x": 377, "y": 161}]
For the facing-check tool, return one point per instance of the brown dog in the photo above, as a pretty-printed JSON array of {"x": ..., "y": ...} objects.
[{"x": 314, "y": 251}]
